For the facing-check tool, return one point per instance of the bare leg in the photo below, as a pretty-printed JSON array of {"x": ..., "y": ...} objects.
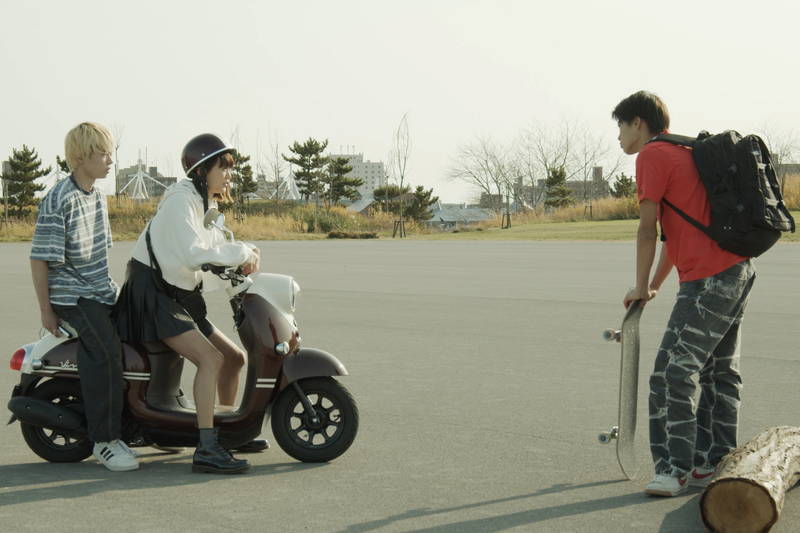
[
  {"x": 197, "y": 349},
  {"x": 232, "y": 363}
]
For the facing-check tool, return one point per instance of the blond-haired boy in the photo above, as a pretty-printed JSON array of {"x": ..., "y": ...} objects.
[{"x": 69, "y": 266}]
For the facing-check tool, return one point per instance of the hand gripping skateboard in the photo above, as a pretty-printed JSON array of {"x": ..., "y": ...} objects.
[{"x": 625, "y": 430}]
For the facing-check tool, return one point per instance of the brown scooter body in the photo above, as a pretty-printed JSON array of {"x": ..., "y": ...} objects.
[{"x": 317, "y": 426}]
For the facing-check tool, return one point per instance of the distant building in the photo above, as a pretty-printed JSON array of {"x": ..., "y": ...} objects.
[
  {"x": 451, "y": 215},
  {"x": 285, "y": 189},
  {"x": 140, "y": 182},
  {"x": 371, "y": 173},
  {"x": 582, "y": 191}
]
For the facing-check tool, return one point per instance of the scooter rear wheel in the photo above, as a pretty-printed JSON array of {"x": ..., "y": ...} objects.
[
  {"x": 51, "y": 444},
  {"x": 336, "y": 426}
]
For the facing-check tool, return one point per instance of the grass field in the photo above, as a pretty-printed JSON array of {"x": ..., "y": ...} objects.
[
  {"x": 591, "y": 230},
  {"x": 614, "y": 220}
]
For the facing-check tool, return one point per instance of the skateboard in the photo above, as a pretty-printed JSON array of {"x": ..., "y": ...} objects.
[{"x": 625, "y": 430}]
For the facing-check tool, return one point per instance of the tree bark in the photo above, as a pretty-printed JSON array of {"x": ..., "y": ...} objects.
[{"x": 748, "y": 491}]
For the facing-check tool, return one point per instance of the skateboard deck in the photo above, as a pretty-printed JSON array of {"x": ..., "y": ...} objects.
[{"x": 625, "y": 430}]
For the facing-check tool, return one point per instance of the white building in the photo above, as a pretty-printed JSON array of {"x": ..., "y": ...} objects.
[{"x": 371, "y": 173}]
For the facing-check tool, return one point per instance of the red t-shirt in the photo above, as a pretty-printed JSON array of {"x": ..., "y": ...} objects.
[{"x": 665, "y": 170}]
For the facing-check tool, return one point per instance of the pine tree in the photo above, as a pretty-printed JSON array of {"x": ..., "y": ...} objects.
[
  {"x": 310, "y": 162},
  {"x": 338, "y": 184},
  {"x": 25, "y": 168},
  {"x": 558, "y": 194},
  {"x": 62, "y": 164},
  {"x": 623, "y": 187},
  {"x": 242, "y": 180},
  {"x": 419, "y": 207},
  {"x": 388, "y": 196}
]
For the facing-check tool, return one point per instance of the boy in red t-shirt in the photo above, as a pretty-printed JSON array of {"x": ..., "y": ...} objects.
[{"x": 704, "y": 329}]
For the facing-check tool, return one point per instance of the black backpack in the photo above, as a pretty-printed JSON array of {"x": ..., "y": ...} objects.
[{"x": 747, "y": 209}]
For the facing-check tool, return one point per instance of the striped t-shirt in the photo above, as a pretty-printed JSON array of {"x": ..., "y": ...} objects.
[{"x": 73, "y": 235}]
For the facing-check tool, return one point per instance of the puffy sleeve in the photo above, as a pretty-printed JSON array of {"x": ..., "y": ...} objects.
[{"x": 181, "y": 229}]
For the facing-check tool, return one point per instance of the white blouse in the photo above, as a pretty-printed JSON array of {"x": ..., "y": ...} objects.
[{"x": 180, "y": 242}]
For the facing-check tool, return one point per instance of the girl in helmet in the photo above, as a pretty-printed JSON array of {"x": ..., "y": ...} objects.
[{"x": 161, "y": 301}]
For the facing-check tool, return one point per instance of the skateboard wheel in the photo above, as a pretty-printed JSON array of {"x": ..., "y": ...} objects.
[
  {"x": 611, "y": 335},
  {"x": 604, "y": 437}
]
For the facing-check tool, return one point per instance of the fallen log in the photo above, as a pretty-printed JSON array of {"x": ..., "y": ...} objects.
[{"x": 751, "y": 482}]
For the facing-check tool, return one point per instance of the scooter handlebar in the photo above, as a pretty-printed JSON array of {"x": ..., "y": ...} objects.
[{"x": 214, "y": 269}]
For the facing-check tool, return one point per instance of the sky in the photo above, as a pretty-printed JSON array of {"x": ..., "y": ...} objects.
[{"x": 157, "y": 73}]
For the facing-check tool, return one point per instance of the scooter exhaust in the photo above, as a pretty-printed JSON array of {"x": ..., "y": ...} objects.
[{"x": 45, "y": 414}]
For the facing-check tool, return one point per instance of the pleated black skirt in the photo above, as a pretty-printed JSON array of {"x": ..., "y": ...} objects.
[{"x": 149, "y": 310}]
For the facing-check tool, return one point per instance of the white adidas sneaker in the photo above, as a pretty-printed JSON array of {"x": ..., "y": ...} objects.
[{"x": 114, "y": 457}]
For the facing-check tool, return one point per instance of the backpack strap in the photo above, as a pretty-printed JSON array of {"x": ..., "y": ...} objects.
[
  {"x": 687, "y": 218},
  {"x": 681, "y": 140}
]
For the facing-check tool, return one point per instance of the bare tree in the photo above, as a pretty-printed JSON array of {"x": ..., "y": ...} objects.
[
  {"x": 401, "y": 150},
  {"x": 485, "y": 165},
  {"x": 784, "y": 147},
  {"x": 117, "y": 130},
  {"x": 592, "y": 151},
  {"x": 276, "y": 168},
  {"x": 541, "y": 149}
]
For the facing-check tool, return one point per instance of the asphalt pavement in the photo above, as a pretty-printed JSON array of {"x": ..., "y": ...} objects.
[{"x": 482, "y": 381}]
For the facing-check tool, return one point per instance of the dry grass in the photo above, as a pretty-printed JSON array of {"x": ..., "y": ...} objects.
[{"x": 265, "y": 221}]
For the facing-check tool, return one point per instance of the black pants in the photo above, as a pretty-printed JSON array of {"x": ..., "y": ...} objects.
[{"x": 99, "y": 365}]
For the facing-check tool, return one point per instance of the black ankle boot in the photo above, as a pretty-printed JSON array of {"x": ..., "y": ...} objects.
[{"x": 211, "y": 457}]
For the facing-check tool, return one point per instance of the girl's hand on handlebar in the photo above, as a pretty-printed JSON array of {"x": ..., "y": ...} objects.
[{"x": 254, "y": 264}]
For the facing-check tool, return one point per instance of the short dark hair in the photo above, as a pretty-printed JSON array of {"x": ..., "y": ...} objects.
[{"x": 645, "y": 105}]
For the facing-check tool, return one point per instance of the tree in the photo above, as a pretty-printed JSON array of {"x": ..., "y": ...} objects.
[
  {"x": 401, "y": 150},
  {"x": 558, "y": 194},
  {"x": 242, "y": 180},
  {"x": 571, "y": 147},
  {"x": 784, "y": 147},
  {"x": 62, "y": 164},
  {"x": 416, "y": 205},
  {"x": 623, "y": 187},
  {"x": 310, "y": 162},
  {"x": 337, "y": 183},
  {"x": 390, "y": 196},
  {"x": 485, "y": 165},
  {"x": 419, "y": 207},
  {"x": 276, "y": 166},
  {"x": 24, "y": 167}
]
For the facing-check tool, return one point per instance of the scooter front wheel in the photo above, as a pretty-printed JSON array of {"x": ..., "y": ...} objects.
[
  {"x": 51, "y": 444},
  {"x": 323, "y": 436}
]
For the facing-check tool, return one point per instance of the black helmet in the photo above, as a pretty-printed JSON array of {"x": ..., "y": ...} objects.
[{"x": 202, "y": 148}]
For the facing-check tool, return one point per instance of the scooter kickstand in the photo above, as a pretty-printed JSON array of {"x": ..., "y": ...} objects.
[{"x": 306, "y": 404}]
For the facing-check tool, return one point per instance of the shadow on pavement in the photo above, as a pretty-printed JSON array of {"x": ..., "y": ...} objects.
[
  {"x": 684, "y": 519},
  {"x": 512, "y": 520},
  {"x": 18, "y": 483}
]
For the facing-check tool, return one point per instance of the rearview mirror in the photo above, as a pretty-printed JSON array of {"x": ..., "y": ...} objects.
[{"x": 213, "y": 218}]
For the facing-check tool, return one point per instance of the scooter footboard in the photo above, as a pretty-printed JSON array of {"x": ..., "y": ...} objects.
[{"x": 308, "y": 363}]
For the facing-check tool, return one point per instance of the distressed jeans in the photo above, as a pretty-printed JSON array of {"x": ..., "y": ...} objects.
[
  {"x": 99, "y": 366},
  {"x": 701, "y": 343}
]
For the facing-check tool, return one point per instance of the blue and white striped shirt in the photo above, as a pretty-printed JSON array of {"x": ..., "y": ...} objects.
[{"x": 73, "y": 235}]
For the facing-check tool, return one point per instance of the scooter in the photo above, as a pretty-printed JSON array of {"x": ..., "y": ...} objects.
[{"x": 314, "y": 417}]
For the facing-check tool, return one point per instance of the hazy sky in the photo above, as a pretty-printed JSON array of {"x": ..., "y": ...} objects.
[{"x": 162, "y": 72}]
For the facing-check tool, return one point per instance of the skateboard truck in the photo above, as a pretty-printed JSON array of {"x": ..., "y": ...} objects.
[
  {"x": 607, "y": 436},
  {"x": 612, "y": 335}
]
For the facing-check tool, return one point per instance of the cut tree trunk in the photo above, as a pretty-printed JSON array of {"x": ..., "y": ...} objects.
[{"x": 748, "y": 491}]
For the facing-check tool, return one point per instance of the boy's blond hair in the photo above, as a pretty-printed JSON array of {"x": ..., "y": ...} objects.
[{"x": 85, "y": 139}]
